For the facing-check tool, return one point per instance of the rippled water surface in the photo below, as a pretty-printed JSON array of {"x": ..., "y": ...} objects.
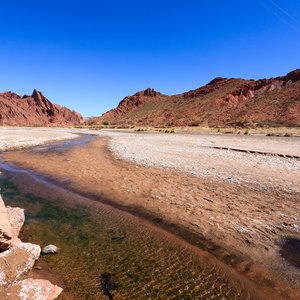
[{"x": 145, "y": 263}]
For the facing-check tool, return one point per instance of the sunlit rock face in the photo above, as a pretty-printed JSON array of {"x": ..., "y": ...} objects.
[
  {"x": 17, "y": 258},
  {"x": 16, "y": 218},
  {"x": 35, "y": 110},
  {"x": 222, "y": 102},
  {"x": 5, "y": 228},
  {"x": 33, "y": 289}
]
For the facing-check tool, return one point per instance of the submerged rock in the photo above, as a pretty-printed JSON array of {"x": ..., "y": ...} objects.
[
  {"x": 50, "y": 249},
  {"x": 107, "y": 284}
]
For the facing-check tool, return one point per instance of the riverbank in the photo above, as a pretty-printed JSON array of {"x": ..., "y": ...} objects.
[{"x": 248, "y": 224}]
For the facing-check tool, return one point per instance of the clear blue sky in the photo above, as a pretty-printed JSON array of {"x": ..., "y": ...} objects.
[{"x": 88, "y": 55}]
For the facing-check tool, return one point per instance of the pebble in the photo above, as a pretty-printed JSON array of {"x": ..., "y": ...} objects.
[{"x": 50, "y": 249}]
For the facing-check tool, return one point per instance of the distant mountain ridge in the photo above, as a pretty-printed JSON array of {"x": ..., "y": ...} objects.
[
  {"x": 221, "y": 102},
  {"x": 34, "y": 110}
]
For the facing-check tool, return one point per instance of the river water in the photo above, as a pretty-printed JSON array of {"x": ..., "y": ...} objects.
[{"x": 145, "y": 262}]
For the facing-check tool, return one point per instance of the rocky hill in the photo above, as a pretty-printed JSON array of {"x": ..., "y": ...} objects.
[
  {"x": 222, "y": 102},
  {"x": 34, "y": 110}
]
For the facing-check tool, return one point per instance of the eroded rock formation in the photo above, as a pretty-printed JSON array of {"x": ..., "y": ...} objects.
[
  {"x": 34, "y": 110},
  {"x": 222, "y": 102}
]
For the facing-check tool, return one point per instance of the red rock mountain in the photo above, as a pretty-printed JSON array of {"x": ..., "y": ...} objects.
[
  {"x": 222, "y": 102},
  {"x": 34, "y": 110}
]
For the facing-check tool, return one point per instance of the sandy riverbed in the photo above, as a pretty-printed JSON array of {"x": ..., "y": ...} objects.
[
  {"x": 201, "y": 156},
  {"x": 244, "y": 202}
]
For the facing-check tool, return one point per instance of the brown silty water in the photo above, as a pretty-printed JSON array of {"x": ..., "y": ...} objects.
[{"x": 145, "y": 262}]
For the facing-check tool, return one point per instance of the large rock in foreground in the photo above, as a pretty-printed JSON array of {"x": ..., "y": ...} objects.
[
  {"x": 16, "y": 261},
  {"x": 5, "y": 228},
  {"x": 16, "y": 218},
  {"x": 17, "y": 258},
  {"x": 33, "y": 289}
]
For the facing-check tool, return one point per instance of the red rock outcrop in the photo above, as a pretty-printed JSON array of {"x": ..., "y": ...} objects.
[
  {"x": 33, "y": 289},
  {"x": 222, "y": 102},
  {"x": 17, "y": 258},
  {"x": 6, "y": 233},
  {"x": 16, "y": 218},
  {"x": 16, "y": 261},
  {"x": 132, "y": 103},
  {"x": 34, "y": 110}
]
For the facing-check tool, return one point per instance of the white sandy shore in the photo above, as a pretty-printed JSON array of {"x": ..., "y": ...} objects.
[
  {"x": 11, "y": 137},
  {"x": 191, "y": 154}
]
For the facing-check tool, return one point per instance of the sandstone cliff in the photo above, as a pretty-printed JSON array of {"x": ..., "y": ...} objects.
[
  {"x": 222, "y": 102},
  {"x": 34, "y": 110}
]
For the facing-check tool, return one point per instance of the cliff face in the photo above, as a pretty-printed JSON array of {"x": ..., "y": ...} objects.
[
  {"x": 222, "y": 102},
  {"x": 34, "y": 110}
]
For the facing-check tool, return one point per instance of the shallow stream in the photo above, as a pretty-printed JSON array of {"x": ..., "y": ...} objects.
[{"x": 145, "y": 262}]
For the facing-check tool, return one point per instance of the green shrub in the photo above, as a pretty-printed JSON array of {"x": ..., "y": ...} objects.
[{"x": 105, "y": 123}]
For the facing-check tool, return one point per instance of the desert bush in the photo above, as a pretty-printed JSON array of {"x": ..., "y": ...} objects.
[
  {"x": 193, "y": 124},
  {"x": 124, "y": 126},
  {"x": 140, "y": 129},
  {"x": 169, "y": 131}
]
